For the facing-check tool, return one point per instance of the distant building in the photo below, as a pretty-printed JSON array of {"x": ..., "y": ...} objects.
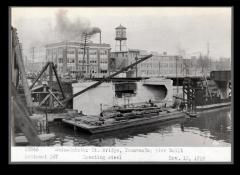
[
  {"x": 157, "y": 65},
  {"x": 36, "y": 54},
  {"x": 70, "y": 58},
  {"x": 34, "y": 59},
  {"x": 161, "y": 65},
  {"x": 121, "y": 59},
  {"x": 222, "y": 64},
  {"x": 34, "y": 67}
]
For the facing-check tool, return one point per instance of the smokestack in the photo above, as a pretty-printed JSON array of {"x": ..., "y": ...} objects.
[{"x": 100, "y": 37}]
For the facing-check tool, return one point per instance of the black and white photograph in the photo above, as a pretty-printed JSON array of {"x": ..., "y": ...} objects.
[{"x": 120, "y": 84}]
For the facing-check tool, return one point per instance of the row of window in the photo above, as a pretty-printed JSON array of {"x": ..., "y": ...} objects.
[
  {"x": 60, "y": 60},
  {"x": 59, "y": 51},
  {"x": 156, "y": 72},
  {"x": 162, "y": 65},
  {"x": 103, "y": 71},
  {"x": 93, "y": 61},
  {"x": 103, "y": 62},
  {"x": 90, "y": 52},
  {"x": 73, "y": 68}
]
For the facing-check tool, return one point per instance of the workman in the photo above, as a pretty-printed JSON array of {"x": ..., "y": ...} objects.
[
  {"x": 151, "y": 103},
  {"x": 101, "y": 118}
]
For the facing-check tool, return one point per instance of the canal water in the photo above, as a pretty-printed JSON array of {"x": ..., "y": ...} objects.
[{"x": 213, "y": 128}]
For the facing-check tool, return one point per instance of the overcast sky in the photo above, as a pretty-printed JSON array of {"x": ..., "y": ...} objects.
[{"x": 153, "y": 29}]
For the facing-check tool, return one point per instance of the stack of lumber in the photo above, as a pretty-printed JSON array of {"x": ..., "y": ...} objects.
[{"x": 20, "y": 140}]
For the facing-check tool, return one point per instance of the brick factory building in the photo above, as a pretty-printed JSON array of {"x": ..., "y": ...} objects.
[{"x": 69, "y": 58}]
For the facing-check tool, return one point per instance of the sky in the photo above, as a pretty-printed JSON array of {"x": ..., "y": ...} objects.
[{"x": 160, "y": 29}]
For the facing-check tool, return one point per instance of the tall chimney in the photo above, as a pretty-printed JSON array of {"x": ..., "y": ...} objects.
[{"x": 100, "y": 38}]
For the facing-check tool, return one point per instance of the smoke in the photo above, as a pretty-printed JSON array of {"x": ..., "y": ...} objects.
[
  {"x": 94, "y": 30},
  {"x": 68, "y": 30},
  {"x": 37, "y": 32}
]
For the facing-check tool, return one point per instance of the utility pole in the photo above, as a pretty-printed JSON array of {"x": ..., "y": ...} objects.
[
  {"x": 33, "y": 53},
  {"x": 136, "y": 66},
  {"x": 177, "y": 73},
  {"x": 208, "y": 56},
  {"x": 159, "y": 64}
]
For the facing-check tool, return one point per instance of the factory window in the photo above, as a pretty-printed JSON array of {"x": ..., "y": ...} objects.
[
  {"x": 103, "y": 71},
  {"x": 60, "y": 60},
  {"x": 80, "y": 52},
  {"x": 81, "y": 61},
  {"x": 60, "y": 50},
  {"x": 70, "y": 61},
  {"x": 93, "y": 61},
  {"x": 92, "y": 52},
  {"x": 70, "y": 51}
]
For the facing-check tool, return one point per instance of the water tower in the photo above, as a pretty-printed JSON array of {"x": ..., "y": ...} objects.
[{"x": 121, "y": 38}]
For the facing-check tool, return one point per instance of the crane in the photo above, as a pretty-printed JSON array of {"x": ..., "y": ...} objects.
[{"x": 65, "y": 101}]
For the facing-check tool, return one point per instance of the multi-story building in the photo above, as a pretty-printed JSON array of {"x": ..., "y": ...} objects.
[
  {"x": 157, "y": 65},
  {"x": 76, "y": 60},
  {"x": 161, "y": 65}
]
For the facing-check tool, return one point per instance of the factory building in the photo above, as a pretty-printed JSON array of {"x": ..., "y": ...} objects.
[
  {"x": 75, "y": 59},
  {"x": 157, "y": 65},
  {"x": 161, "y": 65}
]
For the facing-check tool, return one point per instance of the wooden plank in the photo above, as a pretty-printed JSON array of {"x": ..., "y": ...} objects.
[
  {"x": 22, "y": 70},
  {"x": 43, "y": 101},
  {"x": 55, "y": 97},
  {"x": 43, "y": 137},
  {"x": 24, "y": 123}
]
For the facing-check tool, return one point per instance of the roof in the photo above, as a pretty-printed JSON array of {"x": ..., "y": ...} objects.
[
  {"x": 120, "y": 27},
  {"x": 69, "y": 43}
]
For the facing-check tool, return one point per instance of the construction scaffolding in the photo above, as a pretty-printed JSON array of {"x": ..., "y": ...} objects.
[
  {"x": 20, "y": 112},
  {"x": 189, "y": 95}
]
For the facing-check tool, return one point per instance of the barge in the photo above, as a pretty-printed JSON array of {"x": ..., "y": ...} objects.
[{"x": 121, "y": 118}]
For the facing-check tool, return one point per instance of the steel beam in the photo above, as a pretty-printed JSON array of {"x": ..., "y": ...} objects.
[
  {"x": 43, "y": 69},
  {"x": 59, "y": 82}
]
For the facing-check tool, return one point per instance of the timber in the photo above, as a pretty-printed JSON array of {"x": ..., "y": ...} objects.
[
  {"x": 17, "y": 51},
  {"x": 39, "y": 75},
  {"x": 20, "y": 112}
]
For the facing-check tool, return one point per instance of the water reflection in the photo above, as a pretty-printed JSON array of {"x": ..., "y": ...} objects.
[
  {"x": 209, "y": 129},
  {"x": 217, "y": 123}
]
